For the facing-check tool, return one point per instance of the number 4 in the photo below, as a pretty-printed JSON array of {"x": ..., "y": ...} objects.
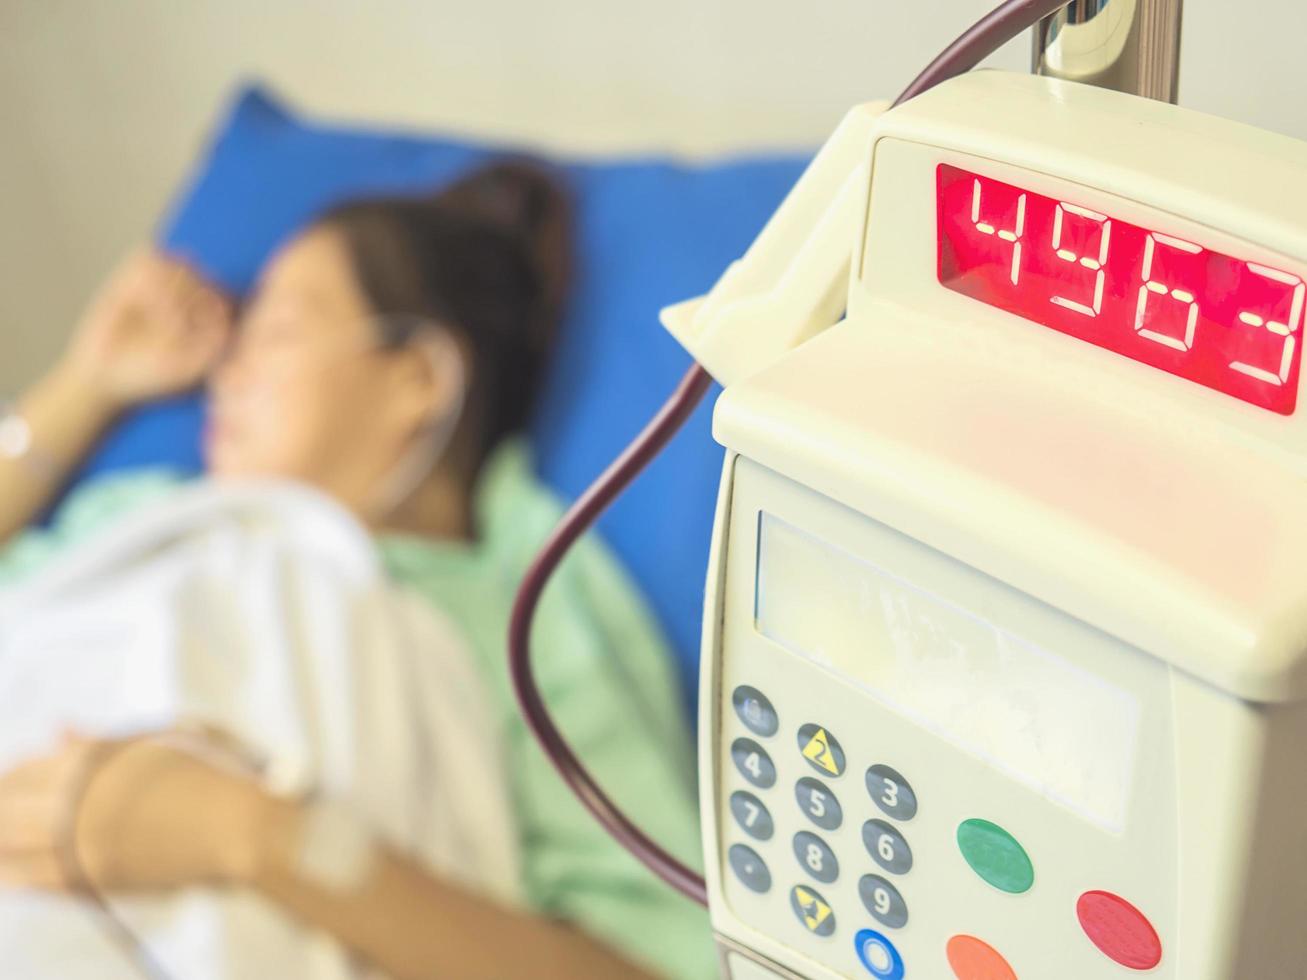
[{"x": 1014, "y": 236}]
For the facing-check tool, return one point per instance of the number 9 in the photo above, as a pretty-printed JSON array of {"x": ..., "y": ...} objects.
[{"x": 880, "y": 898}]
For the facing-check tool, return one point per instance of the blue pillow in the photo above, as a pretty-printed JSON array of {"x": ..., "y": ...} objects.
[{"x": 649, "y": 232}]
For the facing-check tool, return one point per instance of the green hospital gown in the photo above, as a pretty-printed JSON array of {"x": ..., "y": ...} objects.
[{"x": 605, "y": 673}]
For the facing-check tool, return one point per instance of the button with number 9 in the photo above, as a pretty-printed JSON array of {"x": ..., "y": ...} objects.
[
  {"x": 883, "y": 901},
  {"x": 891, "y": 792}
]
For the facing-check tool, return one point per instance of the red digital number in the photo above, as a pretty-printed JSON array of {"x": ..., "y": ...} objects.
[{"x": 1223, "y": 322}]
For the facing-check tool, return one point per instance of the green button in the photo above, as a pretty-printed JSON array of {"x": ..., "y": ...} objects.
[{"x": 995, "y": 855}]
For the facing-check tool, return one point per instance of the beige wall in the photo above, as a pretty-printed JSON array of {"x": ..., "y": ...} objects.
[{"x": 103, "y": 104}]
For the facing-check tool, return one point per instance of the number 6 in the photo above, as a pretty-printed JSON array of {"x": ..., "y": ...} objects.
[
  {"x": 885, "y": 847},
  {"x": 1153, "y": 286}
]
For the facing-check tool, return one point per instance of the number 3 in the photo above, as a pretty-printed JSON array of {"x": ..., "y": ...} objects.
[
  {"x": 1285, "y": 330},
  {"x": 890, "y": 796}
]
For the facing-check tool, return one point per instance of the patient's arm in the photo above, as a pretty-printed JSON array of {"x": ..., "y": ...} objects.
[
  {"x": 154, "y": 815},
  {"x": 415, "y": 926},
  {"x": 154, "y": 329},
  {"x": 60, "y": 420}
]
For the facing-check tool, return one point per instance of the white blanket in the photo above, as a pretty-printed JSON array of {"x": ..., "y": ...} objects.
[{"x": 262, "y": 610}]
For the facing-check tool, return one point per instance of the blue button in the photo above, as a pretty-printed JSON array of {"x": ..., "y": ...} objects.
[{"x": 878, "y": 955}]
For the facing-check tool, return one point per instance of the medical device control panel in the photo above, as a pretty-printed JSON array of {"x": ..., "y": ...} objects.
[{"x": 1004, "y": 674}]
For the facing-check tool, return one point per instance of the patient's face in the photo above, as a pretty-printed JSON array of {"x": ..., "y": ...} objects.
[{"x": 305, "y": 392}]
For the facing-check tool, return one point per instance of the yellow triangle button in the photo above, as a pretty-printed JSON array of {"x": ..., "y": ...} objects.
[
  {"x": 814, "y": 910},
  {"x": 824, "y": 752}
]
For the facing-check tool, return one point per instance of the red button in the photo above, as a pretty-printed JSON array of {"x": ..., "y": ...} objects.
[
  {"x": 972, "y": 959},
  {"x": 1119, "y": 929}
]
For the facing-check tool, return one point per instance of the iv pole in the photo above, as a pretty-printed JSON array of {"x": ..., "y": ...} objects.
[{"x": 1128, "y": 45}]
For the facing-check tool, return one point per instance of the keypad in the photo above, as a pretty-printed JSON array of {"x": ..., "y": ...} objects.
[
  {"x": 755, "y": 710},
  {"x": 891, "y": 792},
  {"x": 883, "y": 901},
  {"x": 885, "y": 854},
  {"x": 819, "y": 803},
  {"x": 752, "y": 815},
  {"x": 887, "y": 847},
  {"x": 816, "y": 857},
  {"x": 749, "y": 867},
  {"x": 753, "y": 762}
]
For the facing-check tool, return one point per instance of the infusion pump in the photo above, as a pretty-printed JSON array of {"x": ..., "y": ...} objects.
[{"x": 1006, "y": 615}]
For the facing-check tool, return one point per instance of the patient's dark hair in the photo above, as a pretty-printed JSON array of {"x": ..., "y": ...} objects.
[{"x": 489, "y": 257}]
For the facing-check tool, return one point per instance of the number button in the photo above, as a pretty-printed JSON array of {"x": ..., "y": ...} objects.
[
  {"x": 753, "y": 708},
  {"x": 754, "y": 818},
  {"x": 821, "y": 749},
  {"x": 887, "y": 846},
  {"x": 817, "y": 916},
  {"x": 883, "y": 901},
  {"x": 754, "y": 763},
  {"x": 817, "y": 859},
  {"x": 819, "y": 803},
  {"x": 891, "y": 792},
  {"x": 749, "y": 868}
]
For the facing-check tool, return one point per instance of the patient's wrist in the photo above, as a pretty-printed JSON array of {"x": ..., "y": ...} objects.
[
  {"x": 323, "y": 845},
  {"x": 267, "y": 855},
  {"x": 80, "y": 384}
]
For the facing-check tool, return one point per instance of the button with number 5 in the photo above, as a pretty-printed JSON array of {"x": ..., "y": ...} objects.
[
  {"x": 754, "y": 763},
  {"x": 891, "y": 792},
  {"x": 819, "y": 803}
]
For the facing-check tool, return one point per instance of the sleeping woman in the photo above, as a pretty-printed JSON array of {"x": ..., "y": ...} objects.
[{"x": 383, "y": 369}]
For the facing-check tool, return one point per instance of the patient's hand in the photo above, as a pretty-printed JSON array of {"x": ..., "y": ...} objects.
[
  {"x": 153, "y": 815},
  {"x": 155, "y": 328}
]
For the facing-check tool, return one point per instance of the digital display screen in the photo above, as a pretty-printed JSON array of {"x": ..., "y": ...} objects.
[
  {"x": 1220, "y": 320},
  {"x": 1067, "y": 733}
]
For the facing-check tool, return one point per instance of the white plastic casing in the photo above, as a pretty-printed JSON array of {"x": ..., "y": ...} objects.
[
  {"x": 1145, "y": 531},
  {"x": 793, "y": 281}
]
